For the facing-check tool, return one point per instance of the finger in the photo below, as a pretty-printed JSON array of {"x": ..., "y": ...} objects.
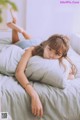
[
  {"x": 38, "y": 113},
  {"x": 41, "y": 112},
  {"x": 34, "y": 111}
]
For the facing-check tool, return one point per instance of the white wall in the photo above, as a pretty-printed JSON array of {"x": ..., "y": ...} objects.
[
  {"x": 42, "y": 18},
  {"x": 46, "y": 17}
]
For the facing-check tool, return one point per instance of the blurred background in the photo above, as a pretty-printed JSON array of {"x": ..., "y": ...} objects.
[{"x": 42, "y": 18}]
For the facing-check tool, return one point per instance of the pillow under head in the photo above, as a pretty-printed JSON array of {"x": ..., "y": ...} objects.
[
  {"x": 47, "y": 71},
  {"x": 38, "y": 69}
]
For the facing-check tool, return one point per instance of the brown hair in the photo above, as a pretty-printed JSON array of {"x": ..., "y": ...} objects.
[{"x": 59, "y": 43}]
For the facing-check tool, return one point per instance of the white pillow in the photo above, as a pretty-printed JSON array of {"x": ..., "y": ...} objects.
[
  {"x": 5, "y": 40},
  {"x": 75, "y": 42},
  {"x": 10, "y": 55},
  {"x": 50, "y": 71},
  {"x": 38, "y": 69},
  {"x": 47, "y": 71}
]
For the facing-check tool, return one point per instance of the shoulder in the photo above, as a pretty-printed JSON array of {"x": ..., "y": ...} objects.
[{"x": 30, "y": 49}]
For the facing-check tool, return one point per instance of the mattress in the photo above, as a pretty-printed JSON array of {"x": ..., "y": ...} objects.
[{"x": 58, "y": 104}]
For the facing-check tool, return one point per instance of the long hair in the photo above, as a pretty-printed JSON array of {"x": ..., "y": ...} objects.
[{"x": 57, "y": 42}]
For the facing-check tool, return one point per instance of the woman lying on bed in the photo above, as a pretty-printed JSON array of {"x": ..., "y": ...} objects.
[{"x": 56, "y": 47}]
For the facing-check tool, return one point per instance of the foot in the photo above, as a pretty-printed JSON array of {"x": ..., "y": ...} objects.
[
  {"x": 15, "y": 27},
  {"x": 26, "y": 36},
  {"x": 14, "y": 19}
]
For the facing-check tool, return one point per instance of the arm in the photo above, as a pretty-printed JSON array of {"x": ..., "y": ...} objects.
[
  {"x": 71, "y": 77},
  {"x": 21, "y": 68},
  {"x": 36, "y": 104}
]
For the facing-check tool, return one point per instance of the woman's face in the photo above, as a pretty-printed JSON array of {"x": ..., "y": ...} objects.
[{"x": 50, "y": 53}]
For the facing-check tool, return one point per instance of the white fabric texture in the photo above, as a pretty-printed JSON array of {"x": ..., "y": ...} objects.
[
  {"x": 59, "y": 104},
  {"x": 47, "y": 71},
  {"x": 38, "y": 69},
  {"x": 75, "y": 42},
  {"x": 10, "y": 55},
  {"x": 42, "y": 70}
]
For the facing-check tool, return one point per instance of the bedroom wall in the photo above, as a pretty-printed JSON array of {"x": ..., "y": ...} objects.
[
  {"x": 43, "y": 18},
  {"x": 50, "y": 16},
  {"x": 21, "y": 17}
]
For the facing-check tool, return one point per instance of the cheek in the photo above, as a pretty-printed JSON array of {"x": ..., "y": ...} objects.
[{"x": 46, "y": 53}]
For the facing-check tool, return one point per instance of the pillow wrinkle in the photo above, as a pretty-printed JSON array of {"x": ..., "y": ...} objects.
[
  {"x": 47, "y": 71},
  {"x": 42, "y": 78},
  {"x": 10, "y": 55},
  {"x": 38, "y": 69}
]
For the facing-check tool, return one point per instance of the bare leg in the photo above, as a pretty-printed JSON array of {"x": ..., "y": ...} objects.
[
  {"x": 18, "y": 29},
  {"x": 15, "y": 37}
]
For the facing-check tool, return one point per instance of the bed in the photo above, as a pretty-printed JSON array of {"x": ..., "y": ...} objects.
[{"x": 58, "y": 104}]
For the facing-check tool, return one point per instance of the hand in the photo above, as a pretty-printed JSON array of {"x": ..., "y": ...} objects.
[
  {"x": 36, "y": 105},
  {"x": 71, "y": 77}
]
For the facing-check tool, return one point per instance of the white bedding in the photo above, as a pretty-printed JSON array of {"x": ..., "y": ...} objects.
[
  {"x": 50, "y": 72},
  {"x": 58, "y": 104}
]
